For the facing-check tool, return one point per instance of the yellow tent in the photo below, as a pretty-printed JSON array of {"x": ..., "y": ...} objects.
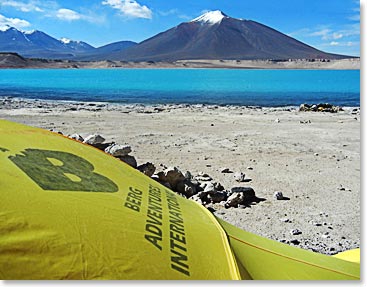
[{"x": 70, "y": 211}]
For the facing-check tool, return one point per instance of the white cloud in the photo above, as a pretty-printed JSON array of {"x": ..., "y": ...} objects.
[
  {"x": 31, "y": 6},
  {"x": 130, "y": 8},
  {"x": 68, "y": 15},
  {"x": 342, "y": 44},
  {"x": 337, "y": 35},
  {"x": 324, "y": 33},
  {"x": 13, "y": 22}
]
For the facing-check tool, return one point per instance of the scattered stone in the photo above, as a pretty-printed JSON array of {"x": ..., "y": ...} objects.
[
  {"x": 188, "y": 175},
  {"x": 277, "y": 120},
  {"x": 239, "y": 176},
  {"x": 234, "y": 199},
  {"x": 250, "y": 168},
  {"x": 305, "y": 122},
  {"x": 94, "y": 139},
  {"x": 295, "y": 232},
  {"x": 203, "y": 177},
  {"x": 248, "y": 194},
  {"x": 147, "y": 168},
  {"x": 186, "y": 188},
  {"x": 210, "y": 188},
  {"x": 218, "y": 186},
  {"x": 287, "y": 220},
  {"x": 76, "y": 137},
  {"x": 323, "y": 107},
  {"x": 130, "y": 160},
  {"x": 316, "y": 154},
  {"x": 325, "y": 235},
  {"x": 295, "y": 242},
  {"x": 173, "y": 176},
  {"x": 278, "y": 195},
  {"x": 217, "y": 196},
  {"x": 226, "y": 170},
  {"x": 118, "y": 150}
]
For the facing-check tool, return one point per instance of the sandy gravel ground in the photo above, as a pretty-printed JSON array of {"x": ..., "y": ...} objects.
[{"x": 312, "y": 158}]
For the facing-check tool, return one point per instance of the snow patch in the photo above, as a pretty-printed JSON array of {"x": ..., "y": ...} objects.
[
  {"x": 211, "y": 17},
  {"x": 65, "y": 40},
  {"x": 5, "y": 28},
  {"x": 29, "y": 32}
]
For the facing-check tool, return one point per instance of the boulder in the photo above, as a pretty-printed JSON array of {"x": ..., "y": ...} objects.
[
  {"x": 186, "y": 188},
  {"x": 210, "y": 188},
  {"x": 77, "y": 137},
  {"x": 235, "y": 199},
  {"x": 173, "y": 176},
  {"x": 248, "y": 192},
  {"x": 147, "y": 168},
  {"x": 94, "y": 139},
  {"x": 118, "y": 150},
  {"x": 130, "y": 160},
  {"x": 217, "y": 197}
]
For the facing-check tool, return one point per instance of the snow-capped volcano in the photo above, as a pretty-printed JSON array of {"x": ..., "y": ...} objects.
[
  {"x": 211, "y": 17},
  {"x": 214, "y": 35}
]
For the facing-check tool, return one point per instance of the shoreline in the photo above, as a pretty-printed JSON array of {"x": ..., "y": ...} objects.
[
  {"x": 278, "y": 149},
  {"x": 14, "y": 61},
  {"x": 17, "y": 102}
]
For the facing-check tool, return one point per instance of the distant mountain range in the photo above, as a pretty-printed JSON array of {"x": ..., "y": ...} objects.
[
  {"x": 213, "y": 35},
  {"x": 37, "y": 44}
]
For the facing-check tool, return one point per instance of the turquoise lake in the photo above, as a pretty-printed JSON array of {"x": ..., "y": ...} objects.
[{"x": 192, "y": 86}]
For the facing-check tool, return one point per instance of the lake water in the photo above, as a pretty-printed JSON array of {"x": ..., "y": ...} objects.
[{"x": 199, "y": 86}]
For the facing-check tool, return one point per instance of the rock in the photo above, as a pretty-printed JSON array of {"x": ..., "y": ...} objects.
[
  {"x": 250, "y": 168},
  {"x": 248, "y": 192},
  {"x": 173, "y": 176},
  {"x": 203, "y": 177},
  {"x": 278, "y": 195},
  {"x": 295, "y": 242},
  {"x": 239, "y": 176},
  {"x": 235, "y": 199},
  {"x": 76, "y": 137},
  {"x": 217, "y": 197},
  {"x": 226, "y": 170},
  {"x": 147, "y": 168},
  {"x": 94, "y": 139},
  {"x": 295, "y": 232},
  {"x": 218, "y": 186},
  {"x": 118, "y": 150},
  {"x": 130, "y": 160},
  {"x": 188, "y": 175},
  {"x": 197, "y": 198},
  {"x": 285, "y": 220},
  {"x": 102, "y": 146},
  {"x": 277, "y": 121},
  {"x": 186, "y": 188},
  {"x": 210, "y": 188},
  {"x": 322, "y": 107}
]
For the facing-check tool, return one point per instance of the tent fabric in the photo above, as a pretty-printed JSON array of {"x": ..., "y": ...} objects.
[
  {"x": 265, "y": 259},
  {"x": 70, "y": 211}
]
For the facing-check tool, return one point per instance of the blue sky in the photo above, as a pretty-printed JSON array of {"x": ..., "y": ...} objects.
[{"x": 329, "y": 25}]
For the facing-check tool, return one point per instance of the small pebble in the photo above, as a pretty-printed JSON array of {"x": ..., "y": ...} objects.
[
  {"x": 278, "y": 195},
  {"x": 295, "y": 232}
]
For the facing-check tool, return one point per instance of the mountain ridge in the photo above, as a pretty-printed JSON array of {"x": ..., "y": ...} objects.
[{"x": 212, "y": 36}]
